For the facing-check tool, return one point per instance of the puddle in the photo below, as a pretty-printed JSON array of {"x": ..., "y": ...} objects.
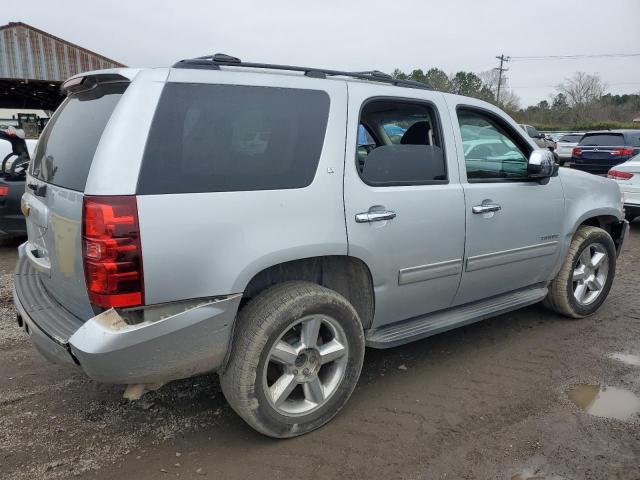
[
  {"x": 626, "y": 358},
  {"x": 607, "y": 402}
]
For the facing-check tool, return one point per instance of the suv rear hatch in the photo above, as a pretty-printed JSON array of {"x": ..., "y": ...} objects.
[
  {"x": 56, "y": 183},
  {"x": 604, "y": 150}
]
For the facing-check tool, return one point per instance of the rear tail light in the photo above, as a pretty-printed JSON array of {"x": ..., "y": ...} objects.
[
  {"x": 4, "y": 191},
  {"x": 112, "y": 252},
  {"x": 576, "y": 152},
  {"x": 618, "y": 175},
  {"x": 622, "y": 152}
]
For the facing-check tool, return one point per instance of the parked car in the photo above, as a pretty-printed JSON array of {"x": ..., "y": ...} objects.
[
  {"x": 627, "y": 175},
  {"x": 164, "y": 241},
  {"x": 541, "y": 140},
  {"x": 554, "y": 136},
  {"x": 14, "y": 157},
  {"x": 597, "y": 152},
  {"x": 565, "y": 145}
]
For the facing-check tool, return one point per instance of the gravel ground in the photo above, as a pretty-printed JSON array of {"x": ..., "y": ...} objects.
[{"x": 485, "y": 401}]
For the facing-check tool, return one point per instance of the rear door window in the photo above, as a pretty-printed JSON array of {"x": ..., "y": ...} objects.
[
  {"x": 603, "y": 140},
  {"x": 66, "y": 147},
  {"x": 220, "y": 138},
  {"x": 409, "y": 150}
]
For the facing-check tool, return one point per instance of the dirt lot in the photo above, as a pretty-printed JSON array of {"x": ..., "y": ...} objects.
[{"x": 486, "y": 401}]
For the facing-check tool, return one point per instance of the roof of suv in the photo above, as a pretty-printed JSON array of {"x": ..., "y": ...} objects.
[
  {"x": 214, "y": 62},
  {"x": 372, "y": 78}
]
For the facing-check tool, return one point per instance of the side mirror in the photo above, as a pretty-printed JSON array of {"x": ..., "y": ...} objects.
[{"x": 541, "y": 164}]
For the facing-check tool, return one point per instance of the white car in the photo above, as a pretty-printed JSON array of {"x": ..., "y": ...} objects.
[
  {"x": 5, "y": 147},
  {"x": 627, "y": 175},
  {"x": 565, "y": 145}
]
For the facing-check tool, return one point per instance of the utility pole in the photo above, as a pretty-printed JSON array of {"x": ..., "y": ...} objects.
[{"x": 501, "y": 69}]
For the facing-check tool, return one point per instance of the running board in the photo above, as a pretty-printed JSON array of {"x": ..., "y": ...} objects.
[{"x": 420, "y": 327}]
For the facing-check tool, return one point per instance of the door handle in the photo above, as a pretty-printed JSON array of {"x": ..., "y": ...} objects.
[
  {"x": 374, "y": 216},
  {"x": 486, "y": 208}
]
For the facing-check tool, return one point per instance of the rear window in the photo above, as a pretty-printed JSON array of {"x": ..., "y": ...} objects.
[
  {"x": 570, "y": 138},
  {"x": 220, "y": 138},
  {"x": 602, "y": 140},
  {"x": 66, "y": 147}
]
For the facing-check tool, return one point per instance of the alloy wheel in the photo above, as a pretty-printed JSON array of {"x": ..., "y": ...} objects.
[
  {"x": 305, "y": 365},
  {"x": 590, "y": 274}
]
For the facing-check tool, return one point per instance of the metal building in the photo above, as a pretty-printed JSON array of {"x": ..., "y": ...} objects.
[{"x": 33, "y": 64}]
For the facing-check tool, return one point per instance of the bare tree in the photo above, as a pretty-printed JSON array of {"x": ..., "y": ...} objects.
[
  {"x": 490, "y": 79},
  {"x": 582, "y": 91},
  {"x": 509, "y": 101}
]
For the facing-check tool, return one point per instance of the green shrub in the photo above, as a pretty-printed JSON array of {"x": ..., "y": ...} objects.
[{"x": 586, "y": 126}]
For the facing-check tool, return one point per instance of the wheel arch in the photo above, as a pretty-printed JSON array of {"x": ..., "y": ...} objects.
[
  {"x": 607, "y": 221},
  {"x": 349, "y": 276}
]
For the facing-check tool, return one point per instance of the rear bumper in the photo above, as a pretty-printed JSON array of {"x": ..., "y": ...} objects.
[
  {"x": 194, "y": 340},
  {"x": 595, "y": 166}
]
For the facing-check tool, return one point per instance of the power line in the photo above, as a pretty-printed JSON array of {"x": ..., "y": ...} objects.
[
  {"x": 575, "y": 57},
  {"x": 553, "y": 86}
]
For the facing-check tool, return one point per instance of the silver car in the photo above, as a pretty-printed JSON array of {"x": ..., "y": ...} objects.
[
  {"x": 566, "y": 143},
  {"x": 262, "y": 222}
]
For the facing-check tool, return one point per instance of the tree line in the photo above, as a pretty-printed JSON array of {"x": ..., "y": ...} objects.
[{"x": 580, "y": 102}]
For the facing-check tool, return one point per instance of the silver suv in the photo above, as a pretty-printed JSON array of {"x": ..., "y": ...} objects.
[{"x": 268, "y": 222}]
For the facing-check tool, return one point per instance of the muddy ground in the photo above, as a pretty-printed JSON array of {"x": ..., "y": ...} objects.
[{"x": 485, "y": 401}]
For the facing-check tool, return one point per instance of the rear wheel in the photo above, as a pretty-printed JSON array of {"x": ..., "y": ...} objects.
[
  {"x": 585, "y": 278},
  {"x": 297, "y": 354}
]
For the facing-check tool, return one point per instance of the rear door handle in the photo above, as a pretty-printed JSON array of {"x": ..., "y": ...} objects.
[
  {"x": 486, "y": 208},
  {"x": 367, "y": 217}
]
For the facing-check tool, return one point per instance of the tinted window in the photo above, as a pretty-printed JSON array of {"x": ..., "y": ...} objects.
[
  {"x": 570, "y": 138},
  {"x": 219, "y": 138},
  {"x": 603, "y": 139},
  {"x": 491, "y": 149},
  {"x": 66, "y": 148},
  {"x": 409, "y": 150},
  {"x": 634, "y": 139}
]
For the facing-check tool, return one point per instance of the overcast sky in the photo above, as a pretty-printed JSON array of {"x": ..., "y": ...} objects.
[{"x": 359, "y": 35}]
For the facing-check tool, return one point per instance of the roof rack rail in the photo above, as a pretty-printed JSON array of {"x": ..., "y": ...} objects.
[{"x": 214, "y": 62}]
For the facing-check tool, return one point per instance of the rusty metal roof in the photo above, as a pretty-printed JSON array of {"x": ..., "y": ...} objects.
[{"x": 27, "y": 53}]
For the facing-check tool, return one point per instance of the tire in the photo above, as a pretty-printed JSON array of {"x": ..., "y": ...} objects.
[
  {"x": 564, "y": 293},
  {"x": 288, "y": 313}
]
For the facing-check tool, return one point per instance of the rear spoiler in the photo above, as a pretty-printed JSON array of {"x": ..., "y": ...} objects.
[{"x": 90, "y": 80}]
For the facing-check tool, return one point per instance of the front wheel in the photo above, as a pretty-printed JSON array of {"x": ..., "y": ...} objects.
[
  {"x": 296, "y": 358},
  {"x": 585, "y": 278}
]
